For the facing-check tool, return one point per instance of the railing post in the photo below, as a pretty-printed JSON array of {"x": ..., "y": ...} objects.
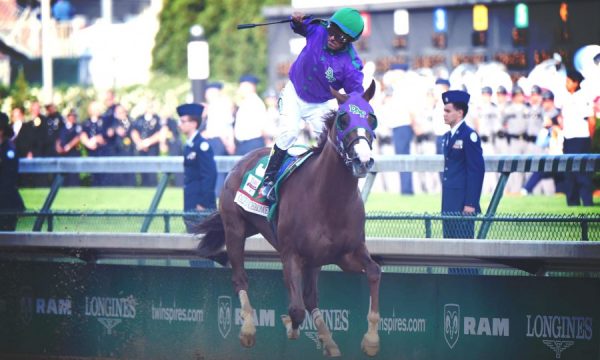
[
  {"x": 56, "y": 183},
  {"x": 167, "y": 220},
  {"x": 160, "y": 190},
  {"x": 50, "y": 223},
  {"x": 366, "y": 190},
  {"x": 427, "y": 226},
  {"x": 585, "y": 231},
  {"x": 491, "y": 211}
]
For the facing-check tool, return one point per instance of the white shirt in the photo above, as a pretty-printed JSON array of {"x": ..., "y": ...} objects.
[
  {"x": 453, "y": 130},
  {"x": 575, "y": 112},
  {"x": 190, "y": 141},
  {"x": 250, "y": 119},
  {"x": 219, "y": 119}
]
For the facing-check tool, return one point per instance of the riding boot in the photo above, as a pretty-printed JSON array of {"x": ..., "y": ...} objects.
[{"x": 275, "y": 160}]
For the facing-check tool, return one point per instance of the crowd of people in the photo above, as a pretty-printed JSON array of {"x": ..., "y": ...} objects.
[{"x": 509, "y": 121}]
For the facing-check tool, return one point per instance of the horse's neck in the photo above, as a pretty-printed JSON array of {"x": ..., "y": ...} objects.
[{"x": 333, "y": 174}]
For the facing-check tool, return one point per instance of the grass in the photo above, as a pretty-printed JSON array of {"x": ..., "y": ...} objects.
[{"x": 138, "y": 199}]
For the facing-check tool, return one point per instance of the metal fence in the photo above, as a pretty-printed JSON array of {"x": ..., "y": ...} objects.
[{"x": 385, "y": 225}]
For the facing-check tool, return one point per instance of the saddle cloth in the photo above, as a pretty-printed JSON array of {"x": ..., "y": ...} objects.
[{"x": 249, "y": 196}]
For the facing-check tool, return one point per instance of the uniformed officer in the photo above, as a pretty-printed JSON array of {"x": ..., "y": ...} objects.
[
  {"x": 10, "y": 200},
  {"x": 199, "y": 167},
  {"x": 67, "y": 144},
  {"x": 145, "y": 133},
  {"x": 93, "y": 138},
  {"x": 463, "y": 167},
  {"x": 54, "y": 123}
]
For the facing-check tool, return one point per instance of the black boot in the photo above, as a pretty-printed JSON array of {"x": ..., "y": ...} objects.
[{"x": 275, "y": 160}]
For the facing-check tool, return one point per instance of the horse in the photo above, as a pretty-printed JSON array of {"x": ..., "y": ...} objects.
[{"x": 321, "y": 220}]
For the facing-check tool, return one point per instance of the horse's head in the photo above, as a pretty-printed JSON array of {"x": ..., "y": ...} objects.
[{"x": 353, "y": 131}]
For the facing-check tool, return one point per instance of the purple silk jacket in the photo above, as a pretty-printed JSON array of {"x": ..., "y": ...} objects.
[{"x": 318, "y": 67}]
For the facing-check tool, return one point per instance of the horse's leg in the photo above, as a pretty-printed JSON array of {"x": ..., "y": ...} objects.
[
  {"x": 292, "y": 271},
  {"x": 360, "y": 261},
  {"x": 234, "y": 240},
  {"x": 311, "y": 300}
]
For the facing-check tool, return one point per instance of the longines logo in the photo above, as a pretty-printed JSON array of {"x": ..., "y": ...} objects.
[
  {"x": 451, "y": 324},
  {"x": 559, "y": 332},
  {"x": 224, "y": 315}
]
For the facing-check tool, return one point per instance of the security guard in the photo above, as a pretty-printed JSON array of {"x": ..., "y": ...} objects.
[
  {"x": 10, "y": 200},
  {"x": 199, "y": 167},
  {"x": 463, "y": 167}
]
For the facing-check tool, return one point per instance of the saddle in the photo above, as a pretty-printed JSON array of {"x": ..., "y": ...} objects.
[{"x": 249, "y": 196}]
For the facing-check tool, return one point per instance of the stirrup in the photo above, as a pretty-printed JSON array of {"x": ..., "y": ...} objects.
[{"x": 267, "y": 190}]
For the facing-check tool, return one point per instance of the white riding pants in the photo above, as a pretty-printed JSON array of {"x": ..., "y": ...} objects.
[{"x": 295, "y": 112}]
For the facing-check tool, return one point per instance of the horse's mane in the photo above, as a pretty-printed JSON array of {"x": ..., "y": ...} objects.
[{"x": 328, "y": 119}]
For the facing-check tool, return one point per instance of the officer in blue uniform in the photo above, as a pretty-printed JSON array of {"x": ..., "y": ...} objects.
[
  {"x": 464, "y": 168},
  {"x": 199, "y": 167},
  {"x": 10, "y": 200}
]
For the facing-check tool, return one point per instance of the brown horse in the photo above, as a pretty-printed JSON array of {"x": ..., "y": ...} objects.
[{"x": 321, "y": 220}]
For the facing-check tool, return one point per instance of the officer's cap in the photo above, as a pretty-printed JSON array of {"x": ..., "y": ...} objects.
[
  {"x": 249, "y": 78},
  {"x": 575, "y": 75},
  {"x": 536, "y": 90},
  {"x": 486, "y": 90},
  {"x": 456, "y": 96},
  {"x": 441, "y": 81},
  {"x": 547, "y": 95},
  {"x": 398, "y": 66},
  {"x": 517, "y": 90},
  {"x": 501, "y": 90},
  {"x": 214, "y": 85},
  {"x": 190, "y": 110}
]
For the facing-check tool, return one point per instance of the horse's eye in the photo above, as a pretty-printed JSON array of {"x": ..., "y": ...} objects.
[
  {"x": 372, "y": 121},
  {"x": 343, "y": 121}
]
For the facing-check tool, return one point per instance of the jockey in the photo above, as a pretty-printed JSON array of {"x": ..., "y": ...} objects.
[{"x": 327, "y": 60}]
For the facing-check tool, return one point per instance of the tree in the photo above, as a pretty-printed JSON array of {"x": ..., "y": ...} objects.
[
  {"x": 20, "y": 90},
  {"x": 232, "y": 52}
]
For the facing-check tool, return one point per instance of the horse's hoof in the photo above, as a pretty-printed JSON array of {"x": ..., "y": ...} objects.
[
  {"x": 331, "y": 350},
  {"x": 247, "y": 340},
  {"x": 292, "y": 333},
  {"x": 370, "y": 344}
]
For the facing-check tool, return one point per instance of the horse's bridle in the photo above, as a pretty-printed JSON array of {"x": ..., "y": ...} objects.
[{"x": 359, "y": 120}]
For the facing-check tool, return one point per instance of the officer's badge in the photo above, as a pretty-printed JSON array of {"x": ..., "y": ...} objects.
[
  {"x": 127, "y": 141},
  {"x": 191, "y": 156},
  {"x": 37, "y": 122},
  {"x": 10, "y": 154},
  {"x": 204, "y": 146},
  {"x": 473, "y": 137},
  {"x": 458, "y": 144}
]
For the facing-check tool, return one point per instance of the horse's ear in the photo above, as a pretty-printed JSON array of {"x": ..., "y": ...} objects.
[
  {"x": 368, "y": 95},
  {"x": 341, "y": 98}
]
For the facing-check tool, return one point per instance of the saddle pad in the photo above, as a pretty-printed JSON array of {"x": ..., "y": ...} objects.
[{"x": 249, "y": 196}]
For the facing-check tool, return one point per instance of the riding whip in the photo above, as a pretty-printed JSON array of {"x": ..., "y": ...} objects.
[{"x": 249, "y": 26}]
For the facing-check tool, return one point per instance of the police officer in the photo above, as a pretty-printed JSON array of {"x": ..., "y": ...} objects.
[
  {"x": 10, "y": 200},
  {"x": 463, "y": 167},
  {"x": 199, "y": 167},
  {"x": 516, "y": 120},
  {"x": 145, "y": 134},
  {"x": 54, "y": 123},
  {"x": 487, "y": 124},
  {"x": 327, "y": 60},
  {"x": 67, "y": 144}
]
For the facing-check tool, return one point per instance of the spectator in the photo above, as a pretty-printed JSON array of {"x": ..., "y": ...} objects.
[
  {"x": 577, "y": 114},
  {"x": 93, "y": 139},
  {"x": 515, "y": 121},
  {"x": 463, "y": 167},
  {"x": 250, "y": 118},
  {"x": 67, "y": 144},
  {"x": 199, "y": 167},
  {"x": 218, "y": 131},
  {"x": 145, "y": 134},
  {"x": 9, "y": 170},
  {"x": 122, "y": 144}
]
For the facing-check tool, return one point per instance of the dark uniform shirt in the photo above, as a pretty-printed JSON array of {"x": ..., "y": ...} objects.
[
  {"x": 200, "y": 175},
  {"x": 66, "y": 134},
  {"x": 54, "y": 123},
  {"x": 147, "y": 126},
  {"x": 10, "y": 200},
  {"x": 91, "y": 129}
]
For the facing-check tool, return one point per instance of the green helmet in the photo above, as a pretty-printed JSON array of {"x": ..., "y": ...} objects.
[{"x": 349, "y": 21}]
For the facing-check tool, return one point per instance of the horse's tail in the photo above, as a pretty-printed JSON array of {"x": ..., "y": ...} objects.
[{"x": 211, "y": 244}]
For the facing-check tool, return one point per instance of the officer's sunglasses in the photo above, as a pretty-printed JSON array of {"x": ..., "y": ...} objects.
[{"x": 340, "y": 37}]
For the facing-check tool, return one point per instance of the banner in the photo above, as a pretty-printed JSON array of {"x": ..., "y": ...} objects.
[{"x": 130, "y": 312}]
